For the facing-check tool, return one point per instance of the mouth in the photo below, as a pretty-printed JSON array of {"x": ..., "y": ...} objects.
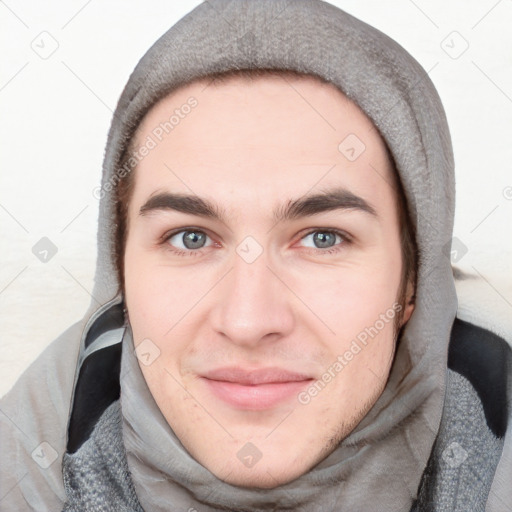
[{"x": 255, "y": 390}]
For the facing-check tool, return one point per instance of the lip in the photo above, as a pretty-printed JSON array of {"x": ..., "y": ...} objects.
[{"x": 255, "y": 390}]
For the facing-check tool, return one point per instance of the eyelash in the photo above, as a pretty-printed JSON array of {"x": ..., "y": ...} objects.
[{"x": 346, "y": 240}]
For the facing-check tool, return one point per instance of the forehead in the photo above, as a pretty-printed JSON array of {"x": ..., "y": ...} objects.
[{"x": 284, "y": 133}]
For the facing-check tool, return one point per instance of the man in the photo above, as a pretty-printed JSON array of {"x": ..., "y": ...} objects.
[{"x": 277, "y": 329}]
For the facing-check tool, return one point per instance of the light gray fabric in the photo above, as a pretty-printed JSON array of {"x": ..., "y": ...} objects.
[
  {"x": 396, "y": 93},
  {"x": 34, "y": 412}
]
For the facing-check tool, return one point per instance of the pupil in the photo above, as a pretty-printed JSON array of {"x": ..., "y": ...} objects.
[{"x": 193, "y": 240}]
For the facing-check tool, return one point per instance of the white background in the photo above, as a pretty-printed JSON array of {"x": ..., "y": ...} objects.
[{"x": 55, "y": 114}]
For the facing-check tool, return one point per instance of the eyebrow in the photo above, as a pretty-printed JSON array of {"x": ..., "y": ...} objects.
[{"x": 305, "y": 206}]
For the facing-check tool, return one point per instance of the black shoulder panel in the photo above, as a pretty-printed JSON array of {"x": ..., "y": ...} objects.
[
  {"x": 97, "y": 387},
  {"x": 483, "y": 358}
]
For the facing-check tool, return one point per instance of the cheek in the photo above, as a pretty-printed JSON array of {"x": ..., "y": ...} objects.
[
  {"x": 163, "y": 303},
  {"x": 356, "y": 371},
  {"x": 350, "y": 299},
  {"x": 363, "y": 317},
  {"x": 151, "y": 303}
]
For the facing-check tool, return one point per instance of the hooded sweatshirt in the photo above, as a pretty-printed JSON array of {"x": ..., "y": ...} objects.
[{"x": 80, "y": 430}]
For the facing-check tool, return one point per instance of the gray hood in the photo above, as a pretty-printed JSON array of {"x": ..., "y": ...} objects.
[{"x": 382, "y": 460}]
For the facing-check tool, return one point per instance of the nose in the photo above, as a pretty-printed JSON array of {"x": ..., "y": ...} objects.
[{"x": 253, "y": 305}]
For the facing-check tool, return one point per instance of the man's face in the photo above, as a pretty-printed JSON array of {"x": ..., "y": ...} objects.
[{"x": 275, "y": 334}]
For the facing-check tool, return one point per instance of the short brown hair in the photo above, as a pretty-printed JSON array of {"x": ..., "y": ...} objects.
[{"x": 124, "y": 188}]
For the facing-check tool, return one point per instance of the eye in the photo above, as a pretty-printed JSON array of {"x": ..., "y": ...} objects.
[
  {"x": 187, "y": 241},
  {"x": 326, "y": 239}
]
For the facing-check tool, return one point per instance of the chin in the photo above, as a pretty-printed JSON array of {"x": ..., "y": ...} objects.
[
  {"x": 261, "y": 463},
  {"x": 261, "y": 476}
]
